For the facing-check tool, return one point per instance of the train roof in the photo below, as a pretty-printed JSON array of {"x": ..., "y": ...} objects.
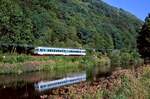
[{"x": 59, "y": 48}]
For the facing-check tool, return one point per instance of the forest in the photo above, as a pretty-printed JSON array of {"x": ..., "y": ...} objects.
[{"x": 67, "y": 23}]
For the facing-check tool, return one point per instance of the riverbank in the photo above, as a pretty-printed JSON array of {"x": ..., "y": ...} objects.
[
  {"x": 99, "y": 62},
  {"x": 122, "y": 84},
  {"x": 19, "y": 64}
]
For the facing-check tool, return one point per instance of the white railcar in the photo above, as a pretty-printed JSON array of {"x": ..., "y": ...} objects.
[{"x": 59, "y": 51}]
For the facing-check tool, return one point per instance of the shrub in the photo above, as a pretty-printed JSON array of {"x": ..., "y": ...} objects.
[
  {"x": 115, "y": 58},
  {"x": 103, "y": 64},
  {"x": 125, "y": 59}
]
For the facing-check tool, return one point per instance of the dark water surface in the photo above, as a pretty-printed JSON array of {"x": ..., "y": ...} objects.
[{"x": 22, "y": 86}]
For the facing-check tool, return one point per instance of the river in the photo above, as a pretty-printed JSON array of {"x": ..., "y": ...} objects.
[{"x": 22, "y": 86}]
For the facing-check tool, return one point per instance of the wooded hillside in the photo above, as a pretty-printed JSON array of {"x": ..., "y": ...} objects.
[{"x": 67, "y": 23}]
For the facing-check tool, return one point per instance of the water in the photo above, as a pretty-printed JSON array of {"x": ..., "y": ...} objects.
[{"x": 22, "y": 86}]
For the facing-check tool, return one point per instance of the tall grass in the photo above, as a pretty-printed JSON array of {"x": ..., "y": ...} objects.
[
  {"x": 19, "y": 58},
  {"x": 17, "y": 64},
  {"x": 145, "y": 79}
]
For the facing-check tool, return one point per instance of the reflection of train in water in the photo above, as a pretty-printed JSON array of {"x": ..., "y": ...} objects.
[
  {"x": 59, "y": 51},
  {"x": 42, "y": 86}
]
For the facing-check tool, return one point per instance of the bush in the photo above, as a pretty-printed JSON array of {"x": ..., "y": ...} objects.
[
  {"x": 125, "y": 59},
  {"x": 103, "y": 64},
  {"x": 115, "y": 58}
]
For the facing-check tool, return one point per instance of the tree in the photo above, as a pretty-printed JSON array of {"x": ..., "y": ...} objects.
[{"x": 144, "y": 38}]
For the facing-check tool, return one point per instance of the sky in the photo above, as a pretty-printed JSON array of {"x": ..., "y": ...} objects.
[{"x": 139, "y": 8}]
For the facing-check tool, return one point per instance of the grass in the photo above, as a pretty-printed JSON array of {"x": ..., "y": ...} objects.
[
  {"x": 21, "y": 63},
  {"x": 17, "y": 64},
  {"x": 19, "y": 58},
  {"x": 130, "y": 88},
  {"x": 145, "y": 79}
]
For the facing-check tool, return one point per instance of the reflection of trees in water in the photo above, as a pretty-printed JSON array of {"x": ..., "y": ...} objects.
[
  {"x": 22, "y": 86},
  {"x": 96, "y": 72},
  {"x": 24, "y": 91},
  {"x": 19, "y": 80}
]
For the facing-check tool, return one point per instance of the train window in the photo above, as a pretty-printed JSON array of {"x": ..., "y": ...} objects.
[
  {"x": 41, "y": 50},
  {"x": 42, "y": 86}
]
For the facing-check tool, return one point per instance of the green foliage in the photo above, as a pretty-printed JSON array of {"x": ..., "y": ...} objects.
[
  {"x": 130, "y": 88},
  {"x": 67, "y": 23},
  {"x": 145, "y": 79},
  {"x": 115, "y": 58},
  {"x": 21, "y": 63},
  {"x": 15, "y": 58},
  {"x": 103, "y": 64},
  {"x": 125, "y": 58},
  {"x": 125, "y": 91},
  {"x": 144, "y": 38}
]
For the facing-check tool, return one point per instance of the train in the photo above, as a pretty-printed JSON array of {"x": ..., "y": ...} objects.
[
  {"x": 46, "y": 85},
  {"x": 59, "y": 51}
]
